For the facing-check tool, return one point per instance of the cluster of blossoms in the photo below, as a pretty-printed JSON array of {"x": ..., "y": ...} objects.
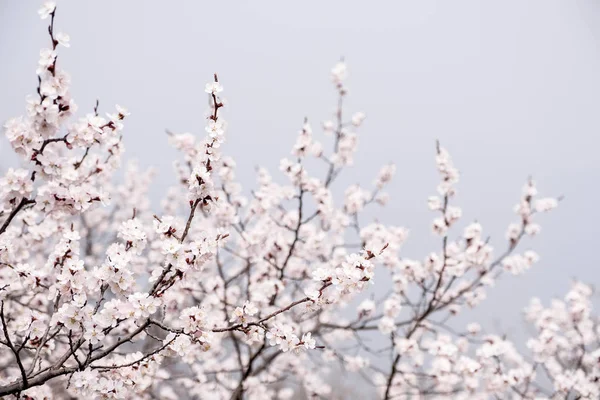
[
  {"x": 286, "y": 339},
  {"x": 219, "y": 295}
]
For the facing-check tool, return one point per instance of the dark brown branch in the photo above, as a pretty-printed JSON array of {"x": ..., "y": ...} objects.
[
  {"x": 11, "y": 346},
  {"x": 24, "y": 202}
]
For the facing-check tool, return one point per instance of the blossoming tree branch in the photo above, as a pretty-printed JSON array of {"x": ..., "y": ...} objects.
[{"x": 223, "y": 296}]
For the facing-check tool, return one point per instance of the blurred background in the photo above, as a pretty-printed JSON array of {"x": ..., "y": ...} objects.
[{"x": 510, "y": 87}]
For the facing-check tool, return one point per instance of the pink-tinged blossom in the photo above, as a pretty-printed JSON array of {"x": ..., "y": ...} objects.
[
  {"x": 63, "y": 39},
  {"x": 47, "y": 8},
  {"x": 339, "y": 72},
  {"x": 358, "y": 118},
  {"x": 143, "y": 305}
]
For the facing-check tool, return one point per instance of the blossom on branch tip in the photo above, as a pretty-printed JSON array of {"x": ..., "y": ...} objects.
[
  {"x": 213, "y": 88},
  {"x": 47, "y": 8}
]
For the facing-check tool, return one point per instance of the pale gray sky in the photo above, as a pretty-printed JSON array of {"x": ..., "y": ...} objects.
[{"x": 510, "y": 87}]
